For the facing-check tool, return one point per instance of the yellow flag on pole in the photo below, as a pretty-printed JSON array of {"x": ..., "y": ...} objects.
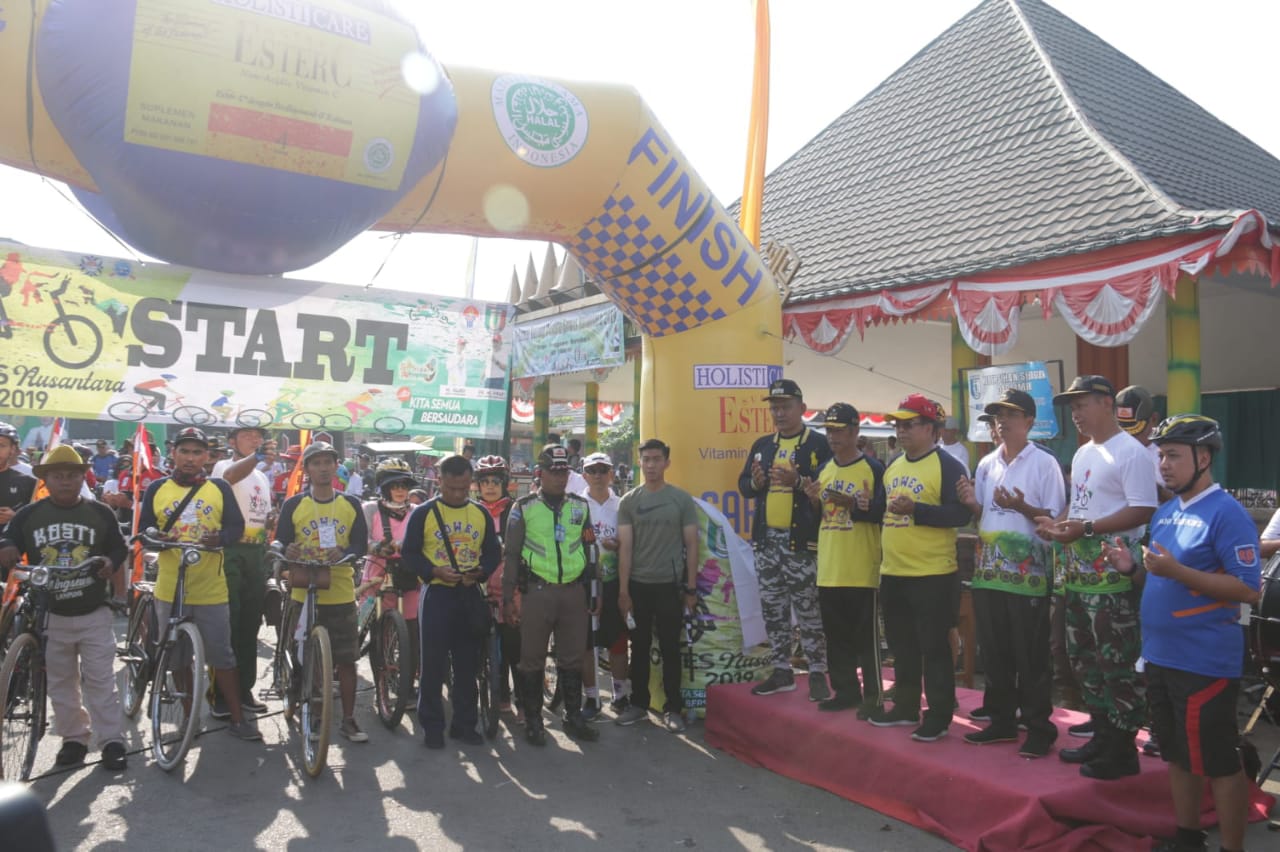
[{"x": 757, "y": 131}]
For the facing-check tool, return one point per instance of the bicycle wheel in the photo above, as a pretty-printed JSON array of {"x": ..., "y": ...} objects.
[
  {"x": 254, "y": 418},
  {"x": 128, "y": 409},
  {"x": 337, "y": 422},
  {"x": 388, "y": 425},
  {"x": 7, "y": 631},
  {"x": 393, "y": 679},
  {"x": 487, "y": 674},
  {"x": 307, "y": 420},
  {"x": 193, "y": 415},
  {"x": 286, "y": 676},
  {"x": 364, "y": 637},
  {"x": 177, "y": 696},
  {"x": 551, "y": 680},
  {"x": 22, "y": 693},
  {"x": 317, "y": 704},
  {"x": 77, "y": 349},
  {"x": 137, "y": 655}
]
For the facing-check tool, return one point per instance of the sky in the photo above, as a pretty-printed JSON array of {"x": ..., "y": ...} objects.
[{"x": 691, "y": 60}]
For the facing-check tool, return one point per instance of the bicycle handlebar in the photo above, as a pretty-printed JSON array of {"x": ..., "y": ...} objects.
[
  {"x": 38, "y": 575},
  {"x": 150, "y": 539},
  {"x": 276, "y": 552}
]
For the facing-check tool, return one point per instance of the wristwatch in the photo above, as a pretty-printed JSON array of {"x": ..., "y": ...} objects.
[{"x": 1088, "y": 529}]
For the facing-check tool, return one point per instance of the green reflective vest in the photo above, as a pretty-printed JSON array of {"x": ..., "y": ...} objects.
[{"x": 555, "y": 559}]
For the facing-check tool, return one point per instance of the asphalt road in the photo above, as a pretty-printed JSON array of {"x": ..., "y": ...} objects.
[{"x": 638, "y": 788}]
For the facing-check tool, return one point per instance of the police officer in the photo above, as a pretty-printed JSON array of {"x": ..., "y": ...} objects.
[{"x": 551, "y": 533}]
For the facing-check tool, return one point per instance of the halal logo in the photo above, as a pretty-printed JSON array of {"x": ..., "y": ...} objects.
[
  {"x": 542, "y": 122},
  {"x": 378, "y": 155}
]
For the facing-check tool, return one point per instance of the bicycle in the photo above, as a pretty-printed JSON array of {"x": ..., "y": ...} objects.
[
  {"x": 82, "y": 351},
  {"x": 9, "y": 606},
  {"x": 393, "y": 659},
  {"x": 489, "y": 675},
  {"x": 175, "y": 666},
  {"x": 310, "y": 695},
  {"x": 334, "y": 422},
  {"x": 24, "y": 685}
]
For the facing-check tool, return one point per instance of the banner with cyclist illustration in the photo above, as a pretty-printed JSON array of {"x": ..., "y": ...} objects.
[{"x": 100, "y": 338}]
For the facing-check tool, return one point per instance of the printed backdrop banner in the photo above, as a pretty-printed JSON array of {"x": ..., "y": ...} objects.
[
  {"x": 728, "y": 638},
  {"x": 584, "y": 339},
  {"x": 985, "y": 385},
  {"x": 97, "y": 338}
]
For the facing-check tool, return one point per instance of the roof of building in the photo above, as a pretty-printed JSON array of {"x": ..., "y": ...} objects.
[{"x": 1015, "y": 136}]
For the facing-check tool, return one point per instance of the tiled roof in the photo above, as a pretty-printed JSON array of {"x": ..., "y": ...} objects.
[{"x": 1015, "y": 136}]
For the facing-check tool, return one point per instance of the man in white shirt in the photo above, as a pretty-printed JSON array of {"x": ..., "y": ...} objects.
[
  {"x": 244, "y": 562},
  {"x": 1112, "y": 497},
  {"x": 612, "y": 632},
  {"x": 950, "y": 442},
  {"x": 1015, "y": 484},
  {"x": 1271, "y": 537}
]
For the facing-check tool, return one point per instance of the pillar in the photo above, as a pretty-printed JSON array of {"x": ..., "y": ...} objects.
[
  {"x": 1182, "y": 319},
  {"x": 541, "y": 415},
  {"x": 591, "y": 431}
]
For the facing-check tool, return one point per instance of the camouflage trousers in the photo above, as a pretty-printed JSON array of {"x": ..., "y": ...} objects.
[
  {"x": 790, "y": 581},
  {"x": 1104, "y": 640}
]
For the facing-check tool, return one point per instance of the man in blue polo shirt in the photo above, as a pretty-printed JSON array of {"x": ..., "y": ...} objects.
[{"x": 1203, "y": 562}]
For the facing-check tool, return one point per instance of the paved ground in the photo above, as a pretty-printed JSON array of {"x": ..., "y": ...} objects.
[{"x": 637, "y": 789}]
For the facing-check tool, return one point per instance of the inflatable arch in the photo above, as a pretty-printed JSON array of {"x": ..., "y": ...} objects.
[{"x": 180, "y": 110}]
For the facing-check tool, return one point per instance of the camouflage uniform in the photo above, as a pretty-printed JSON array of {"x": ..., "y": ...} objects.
[{"x": 789, "y": 579}]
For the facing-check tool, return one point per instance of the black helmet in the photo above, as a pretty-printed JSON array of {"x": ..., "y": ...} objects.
[
  {"x": 394, "y": 470},
  {"x": 7, "y": 431},
  {"x": 1194, "y": 429}
]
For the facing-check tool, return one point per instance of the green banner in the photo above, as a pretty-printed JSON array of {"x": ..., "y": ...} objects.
[
  {"x": 583, "y": 339},
  {"x": 99, "y": 338}
]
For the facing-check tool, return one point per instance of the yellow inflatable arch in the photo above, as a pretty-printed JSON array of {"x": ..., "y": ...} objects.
[{"x": 612, "y": 187}]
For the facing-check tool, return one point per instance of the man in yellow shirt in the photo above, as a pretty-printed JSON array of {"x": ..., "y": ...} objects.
[
  {"x": 321, "y": 525},
  {"x": 919, "y": 587},
  {"x": 187, "y": 506},
  {"x": 849, "y": 491}
]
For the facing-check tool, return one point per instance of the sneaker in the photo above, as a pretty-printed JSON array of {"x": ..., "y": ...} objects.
[
  {"x": 990, "y": 735},
  {"x": 1036, "y": 745},
  {"x": 674, "y": 723},
  {"x": 71, "y": 753},
  {"x": 246, "y": 729},
  {"x": 254, "y": 705},
  {"x": 468, "y": 737},
  {"x": 220, "y": 710},
  {"x": 866, "y": 709},
  {"x": 818, "y": 689},
  {"x": 617, "y": 705},
  {"x": 931, "y": 731},
  {"x": 630, "y": 716},
  {"x": 837, "y": 703},
  {"x": 882, "y": 717},
  {"x": 1082, "y": 731},
  {"x": 433, "y": 739},
  {"x": 352, "y": 732},
  {"x": 782, "y": 680},
  {"x": 113, "y": 756},
  {"x": 980, "y": 714},
  {"x": 590, "y": 708}
]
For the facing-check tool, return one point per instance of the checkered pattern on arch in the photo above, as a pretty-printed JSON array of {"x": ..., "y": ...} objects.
[{"x": 658, "y": 296}]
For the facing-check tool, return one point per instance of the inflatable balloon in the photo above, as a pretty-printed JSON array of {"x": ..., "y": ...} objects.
[{"x": 247, "y": 136}]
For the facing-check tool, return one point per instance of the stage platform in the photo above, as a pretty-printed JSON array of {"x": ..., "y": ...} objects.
[{"x": 978, "y": 797}]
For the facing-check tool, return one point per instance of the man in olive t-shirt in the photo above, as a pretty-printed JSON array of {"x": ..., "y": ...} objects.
[{"x": 657, "y": 572}]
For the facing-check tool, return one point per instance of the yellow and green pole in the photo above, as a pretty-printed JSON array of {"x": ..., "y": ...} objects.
[
  {"x": 591, "y": 430},
  {"x": 1182, "y": 319},
  {"x": 541, "y": 414}
]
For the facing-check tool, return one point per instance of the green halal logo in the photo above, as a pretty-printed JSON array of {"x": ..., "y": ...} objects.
[{"x": 542, "y": 122}]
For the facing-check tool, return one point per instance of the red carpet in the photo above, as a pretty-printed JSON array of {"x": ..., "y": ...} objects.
[{"x": 978, "y": 797}]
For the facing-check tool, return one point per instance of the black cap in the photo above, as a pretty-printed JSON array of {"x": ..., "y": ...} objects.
[
  {"x": 784, "y": 389},
  {"x": 841, "y": 414},
  {"x": 1018, "y": 400},
  {"x": 191, "y": 434},
  {"x": 1082, "y": 385},
  {"x": 553, "y": 457}
]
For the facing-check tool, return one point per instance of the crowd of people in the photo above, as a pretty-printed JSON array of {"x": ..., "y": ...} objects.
[{"x": 1120, "y": 580}]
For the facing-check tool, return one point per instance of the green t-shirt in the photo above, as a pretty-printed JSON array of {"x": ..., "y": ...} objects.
[{"x": 657, "y": 520}]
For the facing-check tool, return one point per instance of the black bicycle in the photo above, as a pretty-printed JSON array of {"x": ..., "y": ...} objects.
[{"x": 24, "y": 684}]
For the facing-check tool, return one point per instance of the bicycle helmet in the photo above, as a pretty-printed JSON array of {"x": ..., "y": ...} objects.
[
  {"x": 1194, "y": 430},
  {"x": 394, "y": 470},
  {"x": 7, "y": 431},
  {"x": 491, "y": 466},
  {"x": 318, "y": 448}
]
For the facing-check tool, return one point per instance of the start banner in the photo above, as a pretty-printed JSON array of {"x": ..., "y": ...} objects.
[{"x": 99, "y": 338}]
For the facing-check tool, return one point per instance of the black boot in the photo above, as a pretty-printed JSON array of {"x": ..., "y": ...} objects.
[
  {"x": 529, "y": 685},
  {"x": 574, "y": 725},
  {"x": 1118, "y": 757},
  {"x": 1091, "y": 748}
]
